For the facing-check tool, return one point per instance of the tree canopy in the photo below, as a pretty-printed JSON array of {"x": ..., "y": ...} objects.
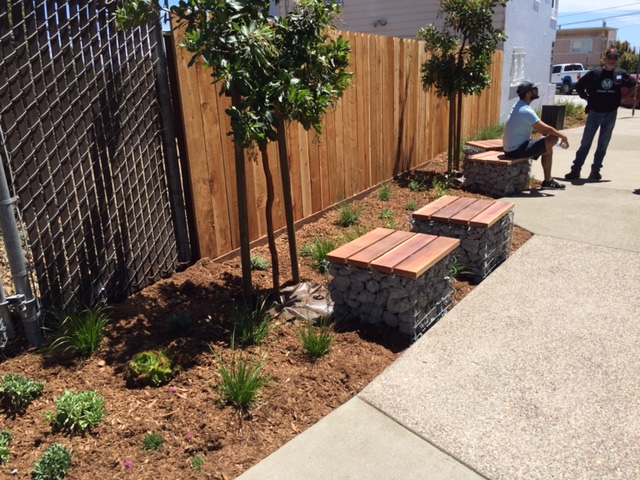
[{"x": 276, "y": 70}]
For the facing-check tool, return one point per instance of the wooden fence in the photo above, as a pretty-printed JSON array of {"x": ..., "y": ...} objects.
[{"x": 384, "y": 125}]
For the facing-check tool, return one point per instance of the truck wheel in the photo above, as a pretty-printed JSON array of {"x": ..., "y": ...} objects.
[{"x": 566, "y": 88}]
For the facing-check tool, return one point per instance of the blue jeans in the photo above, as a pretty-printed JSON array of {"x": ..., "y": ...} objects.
[{"x": 605, "y": 122}]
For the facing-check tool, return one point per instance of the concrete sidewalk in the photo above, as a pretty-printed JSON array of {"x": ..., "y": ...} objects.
[{"x": 534, "y": 375}]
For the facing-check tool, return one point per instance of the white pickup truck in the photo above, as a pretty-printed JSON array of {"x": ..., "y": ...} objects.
[{"x": 566, "y": 75}]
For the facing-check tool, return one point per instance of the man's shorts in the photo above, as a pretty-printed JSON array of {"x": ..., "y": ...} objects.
[{"x": 529, "y": 149}]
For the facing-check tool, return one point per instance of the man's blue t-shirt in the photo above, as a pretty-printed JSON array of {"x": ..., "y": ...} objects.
[{"x": 518, "y": 128}]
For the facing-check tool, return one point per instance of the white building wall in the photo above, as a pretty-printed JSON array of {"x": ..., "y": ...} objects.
[{"x": 530, "y": 26}]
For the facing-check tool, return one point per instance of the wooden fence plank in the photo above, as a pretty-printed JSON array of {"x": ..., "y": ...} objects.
[
  {"x": 305, "y": 171},
  {"x": 375, "y": 103},
  {"x": 388, "y": 106},
  {"x": 361, "y": 80},
  {"x": 350, "y": 117}
]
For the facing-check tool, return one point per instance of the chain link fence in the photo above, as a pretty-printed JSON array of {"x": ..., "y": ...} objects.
[{"x": 82, "y": 150}]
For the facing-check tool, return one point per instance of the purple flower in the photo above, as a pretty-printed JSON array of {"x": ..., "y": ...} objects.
[
  {"x": 128, "y": 464},
  {"x": 189, "y": 436},
  {"x": 172, "y": 389}
]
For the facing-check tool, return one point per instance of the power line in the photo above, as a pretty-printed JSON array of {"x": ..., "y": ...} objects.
[
  {"x": 601, "y": 9},
  {"x": 602, "y": 18}
]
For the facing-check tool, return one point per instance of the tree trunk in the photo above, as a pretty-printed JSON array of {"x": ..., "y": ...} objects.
[
  {"x": 243, "y": 211},
  {"x": 288, "y": 201},
  {"x": 268, "y": 211}
]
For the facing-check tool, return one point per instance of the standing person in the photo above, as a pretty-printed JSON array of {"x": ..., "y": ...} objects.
[
  {"x": 602, "y": 88},
  {"x": 517, "y": 133}
]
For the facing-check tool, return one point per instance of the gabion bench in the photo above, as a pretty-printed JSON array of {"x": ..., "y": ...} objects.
[
  {"x": 484, "y": 228},
  {"x": 396, "y": 277},
  {"x": 495, "y": 144},
  {"x": 491, "y": 173}
]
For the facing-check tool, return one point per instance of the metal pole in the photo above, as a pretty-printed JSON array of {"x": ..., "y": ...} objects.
[
  {"x": 173, "y": 169},
  {"x": 29, "y": 308},
  {"x": 635, "y": 93}
]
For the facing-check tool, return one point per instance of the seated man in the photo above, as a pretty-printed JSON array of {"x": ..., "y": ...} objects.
[{"x": 517, "y": 133}]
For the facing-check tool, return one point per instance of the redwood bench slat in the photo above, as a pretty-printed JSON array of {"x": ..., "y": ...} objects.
[
  {"x": 426, "y": 257},
  {"x": 425, "y": 212},
  {"x": 495, "y": 158},
  {"x": 495, "y": 144},
  {"x": 465, "y": 216},
  {"x": 491, "y": 215},
  {"x": 364, "y": 257},
  {"x": 387, "y": 262},
  {"x": 341, "y": 254},
  {"x": 444, "y": 214}
]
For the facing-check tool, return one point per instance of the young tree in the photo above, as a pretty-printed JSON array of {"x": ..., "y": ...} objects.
[
  {"x": 460, "y": 56},
  {"x": 274, "y": 70}
]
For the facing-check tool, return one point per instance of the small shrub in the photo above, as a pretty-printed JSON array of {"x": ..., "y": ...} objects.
[
  {"x": 318, "y": 251},
  {"x": 77, "y": 411},
  {"x": 348, "y": 215},
  {"x": 82, "y": 331},
  {"x": 197, "y": 463},
  {"x": 391, "y": 224},
  {"x": 441, "y": 185},
  {"x": 316, "y": 341},
  {"x": 386, "y": 214},
  {"x": 416, "y": 186},
  {"x": 411, "y": 206},
  {"x": 5, "y": 441},
  {"x": 54, "y": 464},
  {"x": 17, "y": 392},
  {"x": 459, "y": 269},
  {"x": 241, "y": 381},
  {"x": 179, "y": 323},
  {"x": 353, "y": 233},
  {"x": 384, "y": 193},
  {"x": 572, "y": 110},
  {"x": 251, "y": 325},
  {"x": 152, "y": 367},
  {"x": 260, "y": 263},
  {"x": 152, "y": 441},
  {"x": 489, "y": 133}
]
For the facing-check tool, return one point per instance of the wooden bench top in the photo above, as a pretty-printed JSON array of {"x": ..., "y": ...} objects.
[
  {"x": 487, "y": 144},
  {"x": 495, "y": 158},
  {"x": 474, "y": 212},
  {"x": 405, "y": 254}
]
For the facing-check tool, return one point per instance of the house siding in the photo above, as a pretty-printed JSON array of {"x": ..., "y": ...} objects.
[{"x": 600, "y": 38}]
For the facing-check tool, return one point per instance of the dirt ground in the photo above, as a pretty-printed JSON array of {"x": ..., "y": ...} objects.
[{"x": 187, "y": 412}]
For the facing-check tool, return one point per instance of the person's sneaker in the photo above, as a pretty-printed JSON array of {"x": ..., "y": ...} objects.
[
  {"x": 595, "y": 176},
  {"x": 552, "y": 184},
  {"x": 572, "y": 175}
]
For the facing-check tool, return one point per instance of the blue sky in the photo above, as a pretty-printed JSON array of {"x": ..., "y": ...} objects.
[{"x": 621, "y": 14}]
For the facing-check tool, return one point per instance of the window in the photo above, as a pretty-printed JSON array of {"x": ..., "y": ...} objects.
[
  {"x": 582, "y": 46},
  {"x": 556, "y": 69},
  {"x": 517, "y": 66}
]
